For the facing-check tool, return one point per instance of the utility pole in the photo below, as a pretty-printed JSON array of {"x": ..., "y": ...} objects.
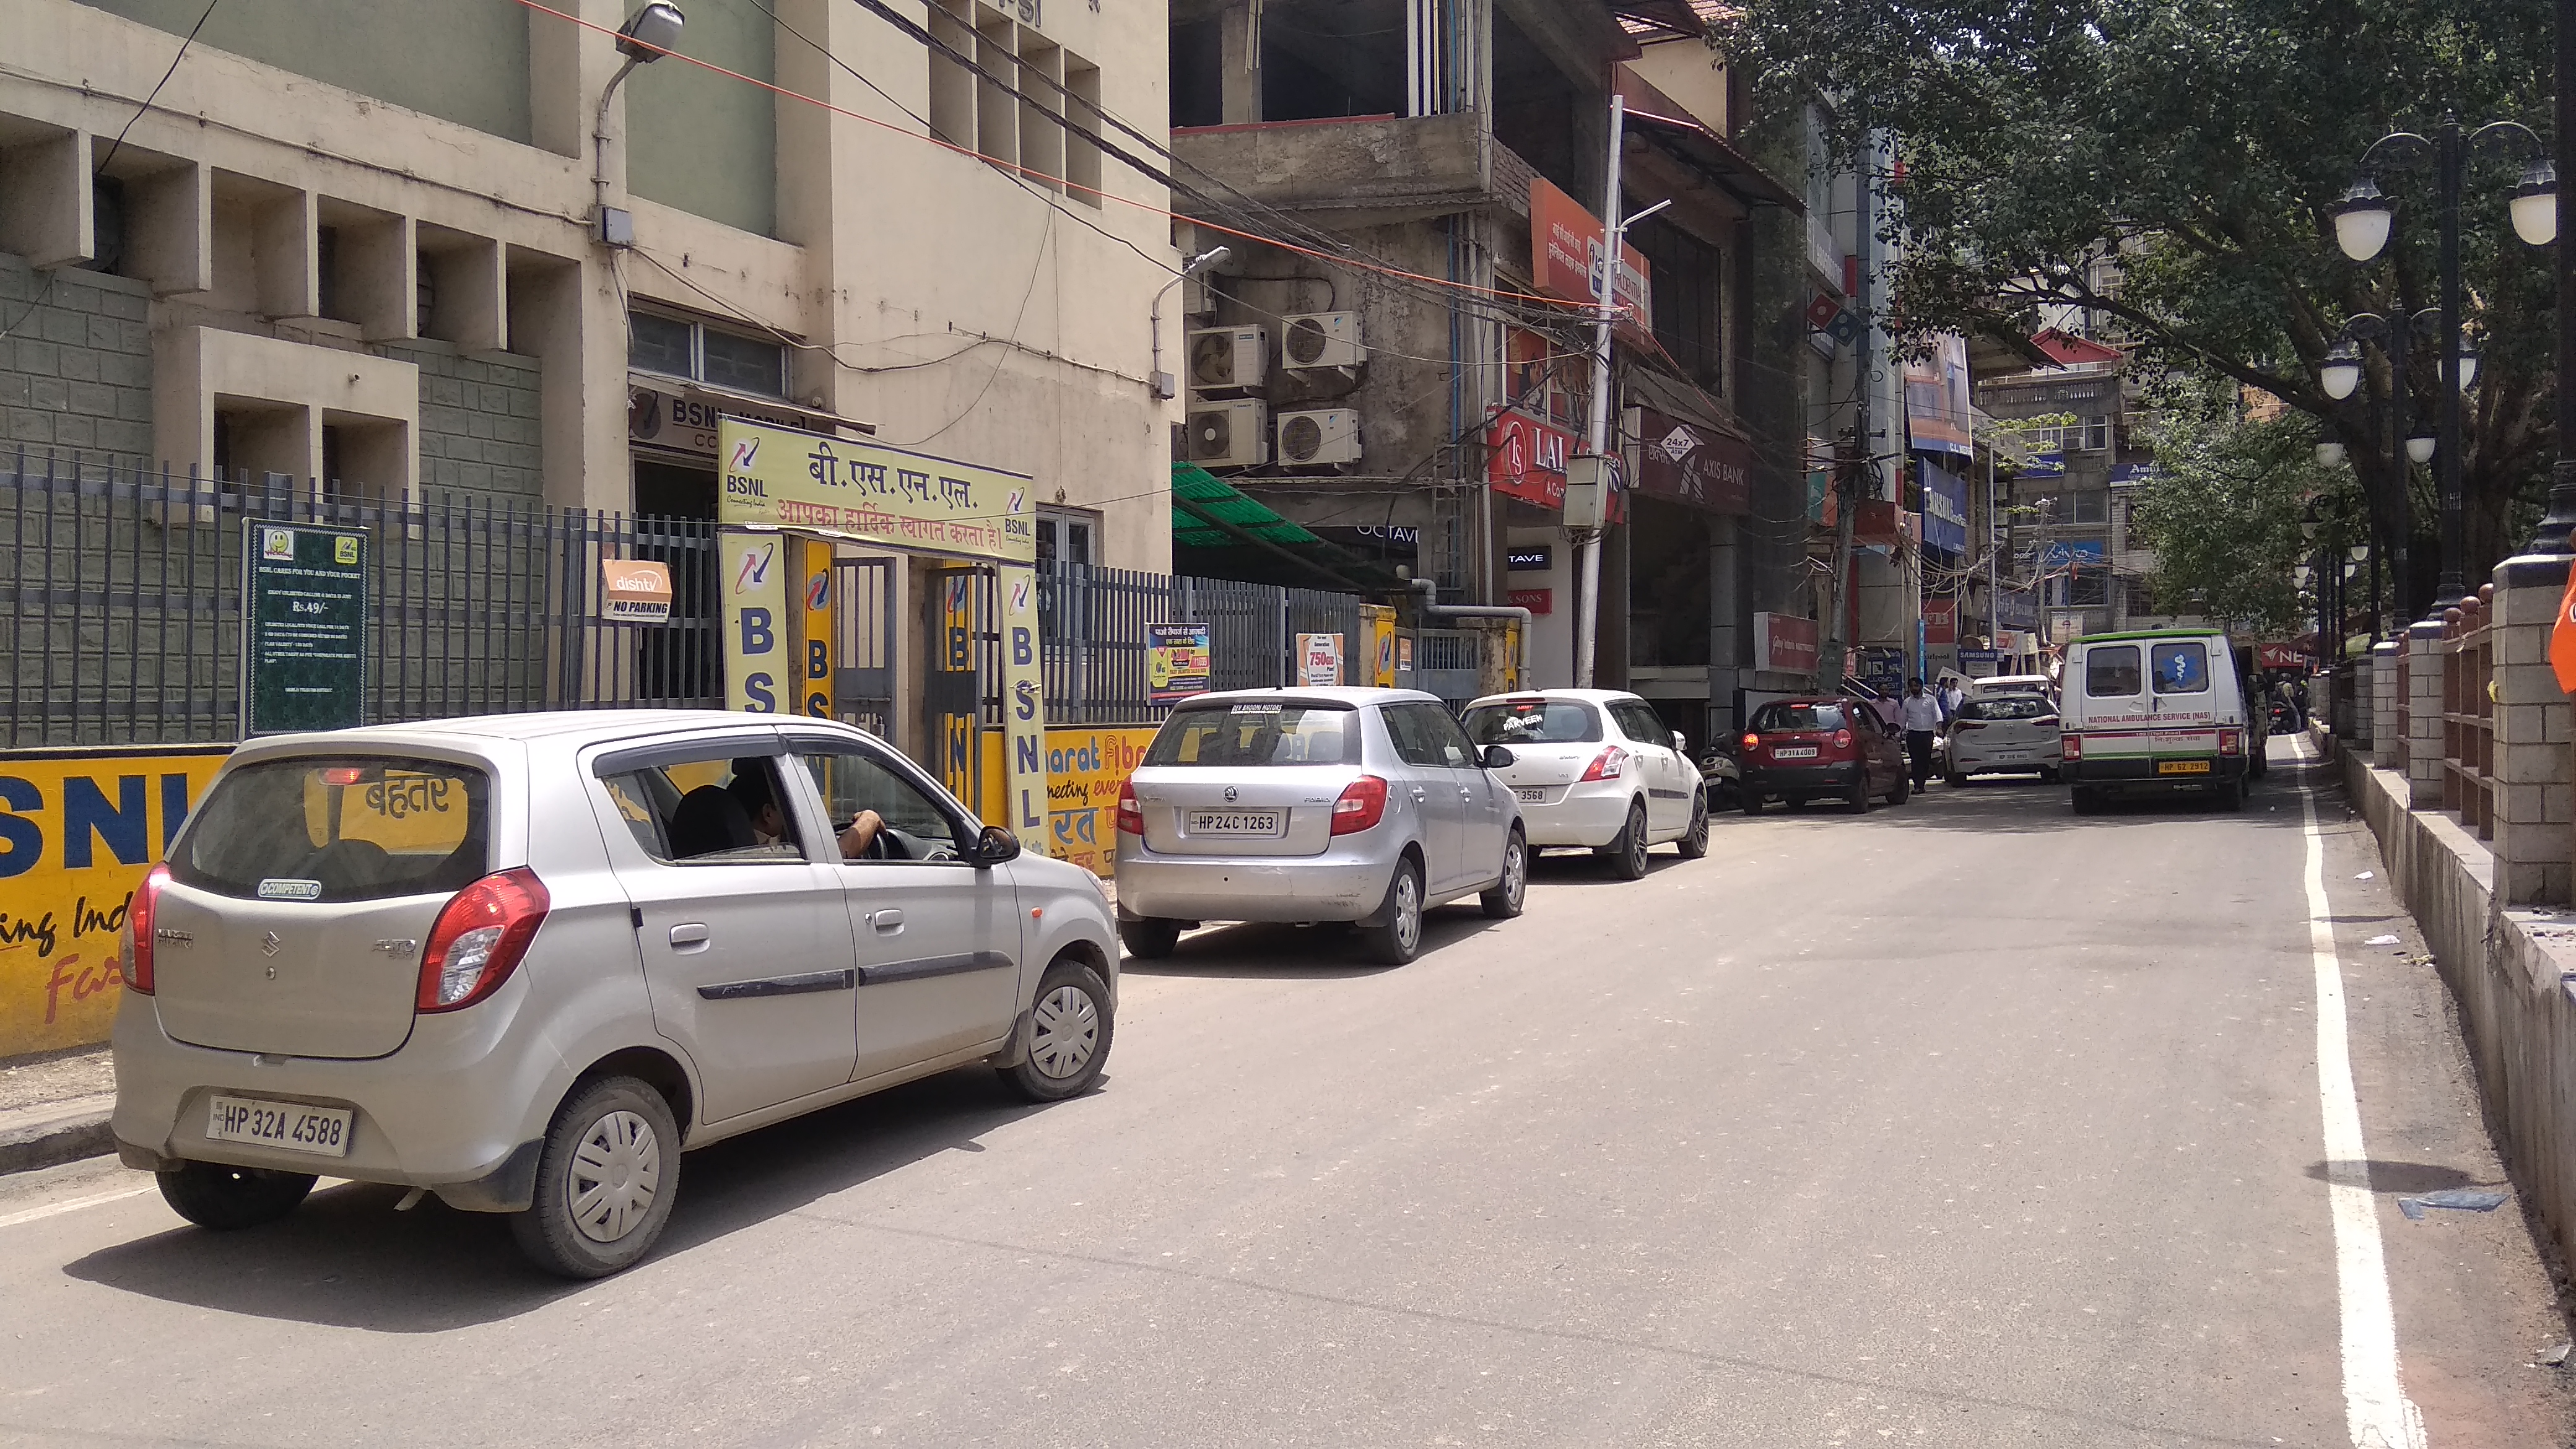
[
  {"x": 1856, "y": 459},
  {"x": 1596, "y": 439}
]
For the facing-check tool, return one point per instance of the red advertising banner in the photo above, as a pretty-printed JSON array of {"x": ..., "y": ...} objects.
[
  {"x": 1537, "y": 601},
  {"x": 1785, "y": 643},
  {"x": 1525, "y": 458},
  {"x": 1565, "y": 256},
  {"x": 1691, "y": 464},
  {"x": 1940, "y": 621},
  {"x": 2280, "y": 656}
]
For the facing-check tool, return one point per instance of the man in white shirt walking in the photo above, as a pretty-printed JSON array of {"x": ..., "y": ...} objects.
[{"x": 1920, "y": 714}]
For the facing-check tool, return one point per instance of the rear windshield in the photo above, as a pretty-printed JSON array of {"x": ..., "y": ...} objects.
[
  {"x": 1257, "y": 733},
  {"x": 2007, "y": 706},
  {"x": 2182, "y": 668},
  {"x": 1777, "y": 717},
  {"x": 1534, "y": 722},
  {"x": 2111, "y": 671},
  {"x": 339, "y": 828}
]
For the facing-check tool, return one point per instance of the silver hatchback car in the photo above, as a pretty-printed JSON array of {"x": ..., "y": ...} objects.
[
  {"x": 1365, "y": 805},
  {"x": 523, "y": 961}
]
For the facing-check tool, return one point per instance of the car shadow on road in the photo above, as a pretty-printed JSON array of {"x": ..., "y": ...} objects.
[
  {"x": 346, "y": 1259},
  {"x": 1326, "y": 951},
  {"x": 2016, "y": 806}
]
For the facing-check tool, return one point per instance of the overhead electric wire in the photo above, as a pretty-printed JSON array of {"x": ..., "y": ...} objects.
[{"x": 1503, "y": 299}]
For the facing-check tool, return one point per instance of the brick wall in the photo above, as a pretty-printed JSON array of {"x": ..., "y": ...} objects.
[
  {"x": 76, "y": 363},
  {"x": 478, "y": 420}
]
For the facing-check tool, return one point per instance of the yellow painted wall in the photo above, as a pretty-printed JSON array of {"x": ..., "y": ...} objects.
[{"x": 78, "y": 831}]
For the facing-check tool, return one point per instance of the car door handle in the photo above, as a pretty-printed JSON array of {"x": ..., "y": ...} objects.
[
  {"x": 689, "y": 936},
  {"x": 1417, "y": 793},
  {"x": 886, "y": 920}
]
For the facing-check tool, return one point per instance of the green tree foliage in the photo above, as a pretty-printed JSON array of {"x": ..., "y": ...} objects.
[
  {"x": 2197, "y": 144},
  {"x": 2225, "y": 511}
]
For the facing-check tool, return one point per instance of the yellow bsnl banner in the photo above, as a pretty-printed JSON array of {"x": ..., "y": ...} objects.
[
  {"x": 78, "y": 830},
  {"x": 841, "y": 488}
]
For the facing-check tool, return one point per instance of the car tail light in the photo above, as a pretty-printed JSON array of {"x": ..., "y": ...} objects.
[
  {"x": 1842, "y": 739},
  {"x": 2045, "y": 722},
  {"x": 479, "y": 939},
  {"x": 1361, "y": 806},
  {"x": 139, "y": 915},
  {"x": 1957, "y": 725},
  {"x": 2070, "y": 747},
  {"x": 1131, "y": 818},
  {"x": 1752, "y": 743},
  {"x": 2229, "y": 743},
  {"x": 1610, "y": 764}
]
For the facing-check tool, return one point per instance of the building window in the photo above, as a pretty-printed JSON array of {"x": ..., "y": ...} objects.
[
  {"x": 1685, "y": 298},
  {"x": 2097, "y": 434},
  {"x": 1037, "y": 135},
  {"x": 677, "y": 347},
  {"x": 2088, "y": 507},
  {"x": 1066, "y": 536}
]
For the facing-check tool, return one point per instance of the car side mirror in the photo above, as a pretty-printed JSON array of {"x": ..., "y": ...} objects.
[
  {"x": 1681, "y": 742},
  {"x": 1498, "y": 758},
  {"x": 995, "y": 845}
]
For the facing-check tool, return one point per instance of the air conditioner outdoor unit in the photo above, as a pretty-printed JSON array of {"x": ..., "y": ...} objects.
[
  {"x": 1198, "y": 294},
  {"x": 1322, "y": 339},
  {"x": 1325, "y": 435},
  {"x": 1231, "y": 434},
  {"x": 1228, "y": 359}
]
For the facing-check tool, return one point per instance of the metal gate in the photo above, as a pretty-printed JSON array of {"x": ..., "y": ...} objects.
[
  {"x": 961, "y": 676},
  {"x": 863, "y": 618}
]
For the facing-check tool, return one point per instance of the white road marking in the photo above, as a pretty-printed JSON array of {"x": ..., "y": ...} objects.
[
  {"x": 2376, "y": 1408},
  {"x": 70, "y": 1205}
]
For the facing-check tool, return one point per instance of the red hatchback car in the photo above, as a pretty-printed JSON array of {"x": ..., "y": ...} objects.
[{"x": 1804, "y": 749}]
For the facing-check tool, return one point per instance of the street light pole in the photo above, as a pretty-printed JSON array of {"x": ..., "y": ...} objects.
[
  {"x": 2361, "y": 221},
  {"x": 2448, "y": 166}
]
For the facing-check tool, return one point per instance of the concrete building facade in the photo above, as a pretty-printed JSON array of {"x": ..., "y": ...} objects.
[
  {"x": 1405, "y": 366},
  {"x": 370, "y": 254}
]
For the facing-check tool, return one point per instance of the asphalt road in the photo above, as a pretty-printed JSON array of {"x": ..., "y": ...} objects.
[{"x": 1965, "y": 1123}]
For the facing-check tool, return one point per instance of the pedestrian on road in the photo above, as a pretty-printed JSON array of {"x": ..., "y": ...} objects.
[
  {"x": 1952, "y": 696},
  {"x": 1921, "y": 716}
]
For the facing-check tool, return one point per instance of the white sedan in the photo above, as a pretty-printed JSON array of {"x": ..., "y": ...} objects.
[
  {"x": 1595, "y": 769},
  {"x": 1995, "y": 733}
]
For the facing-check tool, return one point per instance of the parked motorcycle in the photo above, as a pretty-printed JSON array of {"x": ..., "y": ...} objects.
[
  {"x": 2284, "y": 719},
  {"x": 1719, "y": 771}
]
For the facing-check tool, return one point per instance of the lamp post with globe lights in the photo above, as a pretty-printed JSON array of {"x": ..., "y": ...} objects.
[
  {"x": 2362, "y": 221},
  {"x": 2409, "y": 441}
]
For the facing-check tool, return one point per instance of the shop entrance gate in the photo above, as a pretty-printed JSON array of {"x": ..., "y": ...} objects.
[{"x": 863, "y": 676}]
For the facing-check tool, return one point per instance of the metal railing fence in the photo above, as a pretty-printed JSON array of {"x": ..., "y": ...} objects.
[
  {"x": 1093, "y": 622},
  {"x": 123, "y": 602}
]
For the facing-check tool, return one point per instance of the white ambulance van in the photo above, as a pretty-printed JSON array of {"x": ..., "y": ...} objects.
[{"x": 2157, "y": 711}]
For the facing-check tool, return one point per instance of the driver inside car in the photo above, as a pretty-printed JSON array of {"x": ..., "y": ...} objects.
[{"x": 751, "y": 786}]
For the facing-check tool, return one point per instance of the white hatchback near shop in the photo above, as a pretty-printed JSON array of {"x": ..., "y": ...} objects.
[
  {"x": 1595, "y": 769},
  {"x": 525, "y": 961},
  {"x": 2001, "y": 733}
]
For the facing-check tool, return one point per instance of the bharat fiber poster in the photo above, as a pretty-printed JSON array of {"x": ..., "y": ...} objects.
[{"x": 78, "y": 831}]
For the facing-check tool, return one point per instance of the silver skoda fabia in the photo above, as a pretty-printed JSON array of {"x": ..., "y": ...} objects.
[
  {"x": 1330, "y": 804},
  {"x": 524, "y": 961}
]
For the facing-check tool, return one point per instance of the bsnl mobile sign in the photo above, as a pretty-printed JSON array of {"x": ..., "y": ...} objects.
[{"x": 78, "y": 832}]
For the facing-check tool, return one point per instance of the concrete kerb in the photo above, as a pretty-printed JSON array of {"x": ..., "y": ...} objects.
[
  {"x": 2513, "y": 973},
  {"x": 58, "y": 1133}
]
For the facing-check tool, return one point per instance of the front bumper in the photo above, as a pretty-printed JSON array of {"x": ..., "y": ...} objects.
[
  {"x": 1345, "y": 883},
  {"x": 1589, "y": 815},
  {"x": 1775, "y": 780}
]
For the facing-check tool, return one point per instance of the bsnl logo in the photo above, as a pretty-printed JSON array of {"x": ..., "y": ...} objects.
[{"x": 743, "y": 486}]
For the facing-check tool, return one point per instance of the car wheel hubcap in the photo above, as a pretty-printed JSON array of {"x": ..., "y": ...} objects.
[
  {"x": 614, "y": 1175},
  {"x": 1067, "y": 1032},
  {"x": 1515, "y": 871},
  {"x": 1408, "y": 910}
]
